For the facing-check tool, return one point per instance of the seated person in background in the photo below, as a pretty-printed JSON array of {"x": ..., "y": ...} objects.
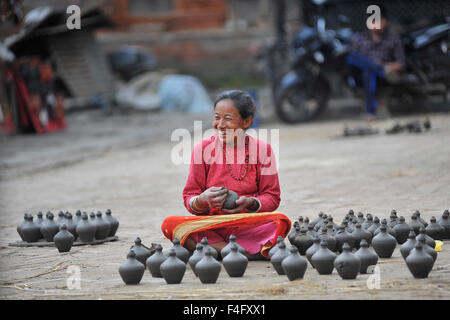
[{"x": 376, "y": 58}]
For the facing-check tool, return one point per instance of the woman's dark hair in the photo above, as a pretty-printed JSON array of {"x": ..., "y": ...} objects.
[{"x": 241, "y": 100}]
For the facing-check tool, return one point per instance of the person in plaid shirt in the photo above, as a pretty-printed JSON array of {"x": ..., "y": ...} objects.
[{"x": 377, "y": 57}]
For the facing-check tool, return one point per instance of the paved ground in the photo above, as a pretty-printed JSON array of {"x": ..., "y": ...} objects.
[{"x": 123, "y": 163}]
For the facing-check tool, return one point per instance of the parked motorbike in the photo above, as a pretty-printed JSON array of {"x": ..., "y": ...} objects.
[{"x": 303, "y": 91}]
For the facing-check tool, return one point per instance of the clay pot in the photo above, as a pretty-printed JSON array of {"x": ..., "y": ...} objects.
[
  {"x": 313, "y": 249},
  {"x": 206, "y": 246},
  {"x": 334, "y": 226},
  {"x": 311, "y": 231},
  {"x": 388, "y": 229},
  {"x": 276, "y": 247},
  {"x": 278, "y": 257},
  {"x": 20, "y": 226},
  {"x": 303, "y": 242},
  {"x": 71, "y": 226},
  {"x": 77, "y": 217},
  {"x": 61, "y": 219},
  {"x": 419, "y": 262},
  {"x": 196, "y": 257},
  {"x": 39, "y": 221},
  {"x": 347, "y": 264},
  {"x": 361, "y": 218},
  {"x": 227, "y": 249},
  {"x": 426, "y": 247},
  {"x": 142, "y": 253},
  {"x": 366, "y": 256},
  {"x": 383, "y": 243},
  {"x": 428, "y": 240},
  {"x": 347, "y": 227},
  {"x": 294, "y": 232},
  {"x": 29, "y": 231},
  {"x": 331, "y": 241},
  {"x": 323, "y": 259},
  {"x": 85, "y": 230},
  {"x": 103, "y": 228},
  {"x": 235, "y": 263},
  {"x": 351, "y": 213},
  {"x": 330, "y": 229},
  {"x": 401, "y": 230},
  {"x": 154, "y": 262},
  {"x": 435, "y": 230},
  {"x": 294, "y": 265},
  {"x": 415, "y": 224},
  {"x": 444, "y": 222},
  {"x": 92, "y": 219},
  {"x": 230, "y": 200},
  {"x": 305, "y": 224},
  {"x": 172, "y": 269},
  {"x": 321, "y": 222},
  {"x": 342, "y": 237},
  {"x": 319, "y": 218},
  {"x": 131, "y": 271},
  {"x": 181, "y": 252},
  {"x": 63, "y": 239},
  {"x": 375, "y": 225},
  {"x": 425, "y": 224},
  {"x": 49, "y": 227},
  {"x": 359, "y": 234},
  {"x": 410, "y": 244},
  {"x": 368, "y": 222},
  {"x": 113, "y": 223},
  {"x": 208, "y": 268}
]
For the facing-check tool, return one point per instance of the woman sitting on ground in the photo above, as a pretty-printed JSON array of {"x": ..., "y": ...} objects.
[{"x": 241, "y": 163}]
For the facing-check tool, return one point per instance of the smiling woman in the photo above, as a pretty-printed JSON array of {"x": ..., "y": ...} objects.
[{"x": 239, "y": 166}]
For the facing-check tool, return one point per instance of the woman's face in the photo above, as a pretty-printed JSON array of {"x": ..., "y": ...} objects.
[{"x": 228, "y": 121}]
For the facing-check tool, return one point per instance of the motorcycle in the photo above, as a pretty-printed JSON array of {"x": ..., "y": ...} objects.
[{"x": 303, "y": 90}]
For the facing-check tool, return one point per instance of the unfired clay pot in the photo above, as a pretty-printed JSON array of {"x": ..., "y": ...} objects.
[
  {"x": 401, "y": 230},
  {"x": 235, "y": 263},
  {"x": 323, "y": 259},
  {"x": 278, "y": 257},
  {"x": 172, "y": 269},
  {"x": 227, "y": 249},
  {"x": 419, "y": 262},
  {"x": 230, "y": 200},
  {"x": 49, "y": 228},
  {"x": 131, "y": 271},
  {"x": 347, "y": 264},
  {"x": 410, "y": 244},
  {"x": 208, "y": 268},
  {"x": 294, "y": 265},
  {"x": 383, "y": 243},
  {"x": 366, "y": 256},
  {"x": 154, "y": 262},
  {"x": 63, "y": 239},
  {"x": 196, "y": 257},
  {"x": 181, "y": 252}
]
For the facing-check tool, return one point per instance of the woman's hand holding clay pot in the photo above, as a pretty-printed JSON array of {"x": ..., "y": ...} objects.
[
  {"x": 212, "y": 198},
  {"x": 241, "y": 204}
]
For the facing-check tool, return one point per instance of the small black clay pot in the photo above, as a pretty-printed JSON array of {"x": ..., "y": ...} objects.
[
  {"x": 278, "y": 257},
  {"x": 313, "y": 249},
  {"x": 275, "y": 247},
  {"x": 410, "y": 244},
  {"x": 113, "y": 222},
  {"x": 347, "y": 264},
  {"x": 154, "y": 262},
  {"x": 49, "y": 227},
  {"x": 303, "y": 241},
  {"x": 419, "y": 262},
  {"x": 230, "y": 200},
  {"x": 294, "y": 265},
  {"x": 85, "y": 229},
  {"x": 323, "y": 259},
  {"x": 131, "y": 271},
  {"x": 227, "y": 249},
  {"x": 63, "y": 239},
  {"x": 401, "y": 230},
  {"x": 141, "y": 252},
  {"x": 181, "y": 252},
  {"x": 383, "y": 243},
  {"x": 366, "y": 256},
  {"x": 196, "y": 257},
  {"x": 172, "y": 269},
  {"x": 234, "y": 262},
  {"x": 208, "y": 268},
  {"x": 207, "y": 247}
]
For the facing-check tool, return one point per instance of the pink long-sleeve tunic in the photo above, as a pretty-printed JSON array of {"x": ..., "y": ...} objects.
[{"x": 210, "y": 166}]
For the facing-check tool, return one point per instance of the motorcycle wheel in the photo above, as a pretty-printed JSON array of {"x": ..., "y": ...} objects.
[{"x": 302, "y": 103}]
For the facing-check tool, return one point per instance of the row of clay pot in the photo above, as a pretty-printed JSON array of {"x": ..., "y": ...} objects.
[
  {"x": 397, "y": 227},
  {"x": 86, "y": 229},
  {"x": 172, "y": 267},
  {"x": 348, "y": 265}
]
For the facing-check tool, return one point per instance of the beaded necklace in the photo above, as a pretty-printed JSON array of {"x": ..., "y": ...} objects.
[{"x": 242, "y": 175}]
